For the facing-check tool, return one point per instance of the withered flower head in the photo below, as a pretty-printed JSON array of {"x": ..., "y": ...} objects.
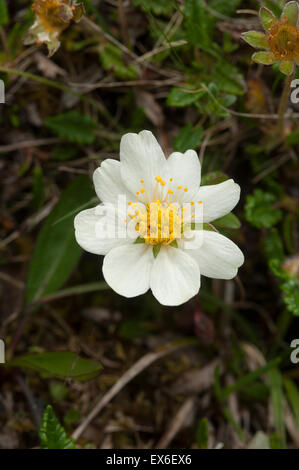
[
  {"x": 281, "y": 40},
  {"x": 51, "y": 18}
]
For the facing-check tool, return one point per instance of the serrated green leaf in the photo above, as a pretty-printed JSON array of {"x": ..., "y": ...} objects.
[
  {"x": 189, "y": 137},
  {"x": 112, "y": 59},
  {"x": 260, "y": 210},
  {"x": 56, "y": 251},
  {"x": 61, "y": 365},
  {"x": 227, "y": 221},
  {"x": 52, "y": 433},
  {"x": 202, "y": 434},
  {"x": 73, "y": 127}
]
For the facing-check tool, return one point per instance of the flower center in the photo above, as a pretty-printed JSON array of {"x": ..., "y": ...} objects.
[
  {"x": 161, "y": 220},
  {"x": 284, "y": 41},
  {"x": 159, "y": 223}
]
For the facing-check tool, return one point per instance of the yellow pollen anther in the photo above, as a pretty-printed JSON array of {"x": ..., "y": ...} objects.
[
  {"x": 185, "y": 189},
  {"x": 158, "y": 179},
  {"x": 170, "y": 191},
  {"x": 179, "y": 187},
  {"x": 137, "y": 193},
  {"x": 129, "y": 203},
  {"x": 199, "y": 202},
  {"x": 142, "y": 190},
  {"x": 170, "y": 179},
  {"x": 163, "y": 183},
  {"x": 192, "y": 203},
  {"x": 142, "y": 181}
]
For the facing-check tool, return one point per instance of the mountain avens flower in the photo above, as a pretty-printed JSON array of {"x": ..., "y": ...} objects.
[
  {"x": 281, "y": 39},
  {"x": 152, "y": 223},
  {"x": 51, "y": 18}
]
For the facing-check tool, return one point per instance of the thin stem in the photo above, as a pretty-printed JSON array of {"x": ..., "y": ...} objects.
[{"x": 283, "y": 104}]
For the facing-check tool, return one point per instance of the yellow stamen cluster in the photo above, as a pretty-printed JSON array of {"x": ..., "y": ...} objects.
[
  {"x": 160, "y": 221},
  {"x": 283, "y": 40}
]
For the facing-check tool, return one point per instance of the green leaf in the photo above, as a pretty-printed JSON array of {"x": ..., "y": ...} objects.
[
  {"x": 290, "y": 12},
  {"x": 256, "y": 39},
  {"x": 139, "y": 240},
  {"x": 158, "y": 7},
  {"x": 56, "y": 251},
  {"x": 185, "y": 96},
  {"x": 52, "y": 434},
  {"x": 260, "y": 210},
  {"x": 189, "y": 137},
  {"x": 277, "y": 400},
  {"x": 61, "y": 365},
  {"x": 199, "y": 24},
  {"x": 292, "y": 393},
  {"x": 266, "y": 58},
  {"x": 4, "y": 15},
  {"x": 286, "y": 67},
  {"x": 227, "y": 221},
  {"x": 112, "y": 59},
  {"x": 273, "y": 247},
  {"x": 73, "y": 127},
  {"x": 267, "y": 18},
  {"x": 202, "y": 434},
  {"x": 156, "y": 250}
]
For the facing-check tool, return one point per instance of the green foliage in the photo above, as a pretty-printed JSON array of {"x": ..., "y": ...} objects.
[
  {"x": 227, "y": 221},
  {"x": 158, "y": 7},
  {"x": 288, "y": 284},
  {"x": 260, "y": 210},
  {"x": 73, "y": 127},
  {"x": 183, "y": 96},
  {"x": 189, "y": 137},
  {"x": 293, "y": 138},
  {"x": 112, "y": 59},
  {"x": 198, "y": 24},
  {"x": 4, "y": 15},
  {"x": 202, "y": 434},
  {"x": 52, "y": 433},
  {"x": 292, "y": 394},
  {"x": 273, "y": 247},
  {"x": 277, "y": 399},
  {"x": 62, "y": 365},
  {"x": 56, "y": 251}
]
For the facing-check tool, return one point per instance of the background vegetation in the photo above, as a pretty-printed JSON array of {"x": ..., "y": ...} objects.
[{"x": 216, "y": 371}]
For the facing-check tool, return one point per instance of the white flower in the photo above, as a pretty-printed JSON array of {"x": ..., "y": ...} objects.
[{"x": 168, "y": 262}]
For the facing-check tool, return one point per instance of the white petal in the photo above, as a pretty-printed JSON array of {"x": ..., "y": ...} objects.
[
  {"x": 108, "y": 183},
  {"x": 127, "y": 269},
  {"x": 218, "y": 256},
  {"x": 185, "y": 169},
  {"x": 100, "y": 229},
  {"x": 175, "y": 276},
  {"x": 218, "y": 199},
  {"x": 142, "y": 159}
]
